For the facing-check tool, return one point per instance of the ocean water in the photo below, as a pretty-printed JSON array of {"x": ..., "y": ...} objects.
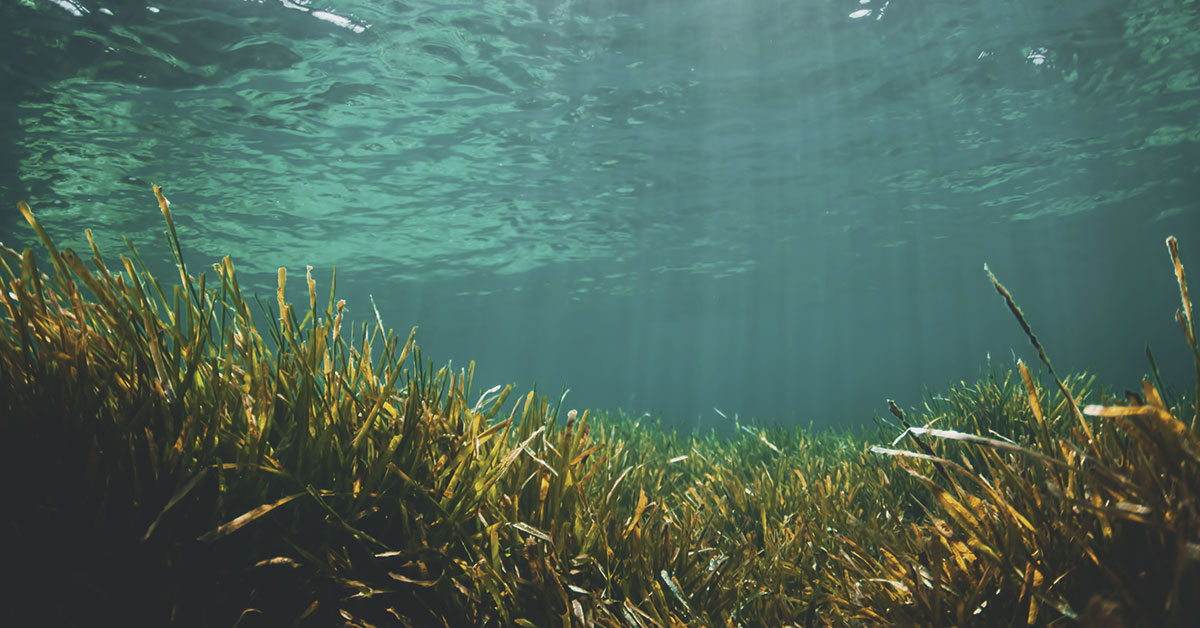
[{"x": 778, "y": 208}]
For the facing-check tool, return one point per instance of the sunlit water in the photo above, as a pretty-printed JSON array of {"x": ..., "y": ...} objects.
[{"x": 779, "y": 208}]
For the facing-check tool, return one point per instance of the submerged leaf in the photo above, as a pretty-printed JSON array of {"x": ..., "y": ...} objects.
[{"x": 247, "y": 518}]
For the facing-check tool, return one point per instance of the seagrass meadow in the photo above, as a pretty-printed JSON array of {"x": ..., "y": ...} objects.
[{"x": 168, "y": 461}]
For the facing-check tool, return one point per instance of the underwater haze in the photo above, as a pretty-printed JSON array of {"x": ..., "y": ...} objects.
[{"x": 778, "y": 208}]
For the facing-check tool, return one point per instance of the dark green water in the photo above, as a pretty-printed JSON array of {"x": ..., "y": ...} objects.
[{"x": 780, "y": 208}]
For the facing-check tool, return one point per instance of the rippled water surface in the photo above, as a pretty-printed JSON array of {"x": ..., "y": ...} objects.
[{"x": 777, "y": 207}]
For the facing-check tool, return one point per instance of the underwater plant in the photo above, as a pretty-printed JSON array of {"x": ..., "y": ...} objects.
[
  {"x": 172, "y": 459},
  {"x": 1091, "y": 516}
]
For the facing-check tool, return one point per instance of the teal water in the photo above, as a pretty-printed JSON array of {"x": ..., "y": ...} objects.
[{"x": 779, "y": 208}]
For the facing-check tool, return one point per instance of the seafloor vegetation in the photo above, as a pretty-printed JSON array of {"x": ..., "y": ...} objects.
[{"x": 164, "y": 463}]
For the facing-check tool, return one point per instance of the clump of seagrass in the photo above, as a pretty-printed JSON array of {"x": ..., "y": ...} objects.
[
  {"x": 1093, "y": 520},
  {"x": 171, "y": 459},
  {"x": 183, "y": 470}
]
